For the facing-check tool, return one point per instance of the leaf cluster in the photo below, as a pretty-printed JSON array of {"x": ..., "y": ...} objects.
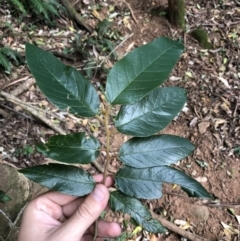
[
  {"x": 48, "y": 9},
  {"x": 101, "y": 41},
  {"x": 9, "y": 56},
  {"x": 146, "y": 109}
]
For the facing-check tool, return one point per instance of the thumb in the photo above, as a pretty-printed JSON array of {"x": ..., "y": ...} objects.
[{"x": 86, "y": 214}]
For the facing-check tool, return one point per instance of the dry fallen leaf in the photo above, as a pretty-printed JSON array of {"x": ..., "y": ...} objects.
[
  {"x": 201, "y": 179},
  {"x": 193, "y": 122},
  {"x": 202, "y": 127},
  {"x": 229, "y": 230},
  {"x": 225, "y": 82},
  {"x": 130, "y": 46},
  {"x": 218, "y": 121}
]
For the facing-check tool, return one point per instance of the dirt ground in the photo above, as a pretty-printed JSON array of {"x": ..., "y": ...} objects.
[{"x": 211, "y": 119}]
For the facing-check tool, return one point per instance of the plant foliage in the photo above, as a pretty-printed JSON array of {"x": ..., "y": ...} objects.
[
  {"x": 45, "y": 8},
  {"x": 7, "y": 56},
  {"x": 146, "y": 109},
  {"x": 4, "y": 198}
]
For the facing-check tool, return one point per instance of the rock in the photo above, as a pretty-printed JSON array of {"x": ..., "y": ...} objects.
[
  {"x": 17, "y": 188},
  {"x": 20, "y": 190},
  {"x": 200, "y": 214}
]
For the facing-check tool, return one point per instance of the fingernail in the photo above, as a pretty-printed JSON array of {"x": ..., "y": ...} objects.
[{"x": 98, "y": 193}]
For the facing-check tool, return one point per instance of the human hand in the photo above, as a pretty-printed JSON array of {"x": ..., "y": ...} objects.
[{"x": 58, "y": 217}]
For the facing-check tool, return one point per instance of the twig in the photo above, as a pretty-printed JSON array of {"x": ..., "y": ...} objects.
[
  {"x": 66, "y": 56},
  {"x": 19, "y": 214},
  {"x": 15, "y": 221},
  {"x": 98, "y": 66},
  {"x": 26, "y": 116},
  {"x": 23, "y": 87},
  {"x": 44, "y": 111},
  {"x": 95, "y": 230},
  {"x": 14, "y": 82},
  {"x": 223, "y": 205},
  {"x": 1, "y": 238},
  {"x": 132, "y": 13},
  {"x": 34, "y": 112},
  {"x": 9, "y": 220},
  {"x": 8, "y": 163},
  {"x": 3, "y": 113},
  {"x": 75, "y": 15},
  {"x": 98, "y": 166},
  {"x": 177, "y": 230},
  {"x": 124, "y": 40},
  {"x": 100, "y": 119},
  {"x": 106, "y": 120},
  {"x": 75, "y": 3},
  {"x": 237, "y": 3}
]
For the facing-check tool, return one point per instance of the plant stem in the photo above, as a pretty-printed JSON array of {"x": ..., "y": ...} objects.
[
  {"x": 106, "y": 121},
  {"x": 100, "y": 119},
  {"x": 95, "y": 230}
]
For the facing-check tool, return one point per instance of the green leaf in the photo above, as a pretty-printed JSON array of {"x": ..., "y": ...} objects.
[
  {"x": 12, "y": 54},
  {"x": 63, "y": 85},
  {"x": 5, "y": 63},
  {"x": 4, "y": 198},
  {"x": 72, "y": 148},
  {"x": 154, "y": 151},
  {"x": 19, "y": 5},
  {"x": 153, "y": 226},
  {"x": 141, "y": 215},
  {"x": 66, "y": 179},
  {"x": 142, "y": 70},
  {"x": 147, "y": 183},
  {"x": 152, "y": 113}
]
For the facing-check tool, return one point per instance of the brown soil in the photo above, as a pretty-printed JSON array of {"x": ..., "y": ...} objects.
[{"x": 211, "y": 120}]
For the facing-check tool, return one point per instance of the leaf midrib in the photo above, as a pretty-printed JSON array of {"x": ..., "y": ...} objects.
[
  {"x": 144, "y": 114},
  {"x": 51, "y": 175},
  {"x": 72, "y": 147},
  {"x": 160, "y": 182},
  {"x": 133, "y": 153},
  {"x": 143, "y": 70},
  {"x": 74, "y": 97}
]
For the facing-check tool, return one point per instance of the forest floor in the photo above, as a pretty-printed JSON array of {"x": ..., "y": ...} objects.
[{"x": 211, "y": 119}]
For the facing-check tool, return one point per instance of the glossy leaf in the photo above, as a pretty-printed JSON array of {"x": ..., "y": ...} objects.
[
  {"x": 66, "y": 179},
  {"x": 151, "y": 114},
  {"x": 153, "y": 226},
  {"x": 147, "y": 183},
  {"x": 120, "y": 202},
  {"x": 63, "y": 85},
  {"x": 158, "y": 150},
  {"x": 72, "y": 148},
  {"x": 142, "y": 70}
]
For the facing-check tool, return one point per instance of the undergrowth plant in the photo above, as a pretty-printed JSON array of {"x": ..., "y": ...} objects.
[
  {"x": 101, "y": 40},
  {"x": 45, "y": 8},
  {"x": 146, "y": 108},
  {"x": 7, "y": 55}
]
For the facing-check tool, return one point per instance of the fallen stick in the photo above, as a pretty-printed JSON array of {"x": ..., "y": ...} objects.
[
  {"x": 177, "y": 230},
  {"x": 75, "y": 15},
  {"x": 23, "y": 87},
  {"x": 130, "y": 9},
  {"x": 36, "y": 113},
  {"x": 33, "y": 111}
]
